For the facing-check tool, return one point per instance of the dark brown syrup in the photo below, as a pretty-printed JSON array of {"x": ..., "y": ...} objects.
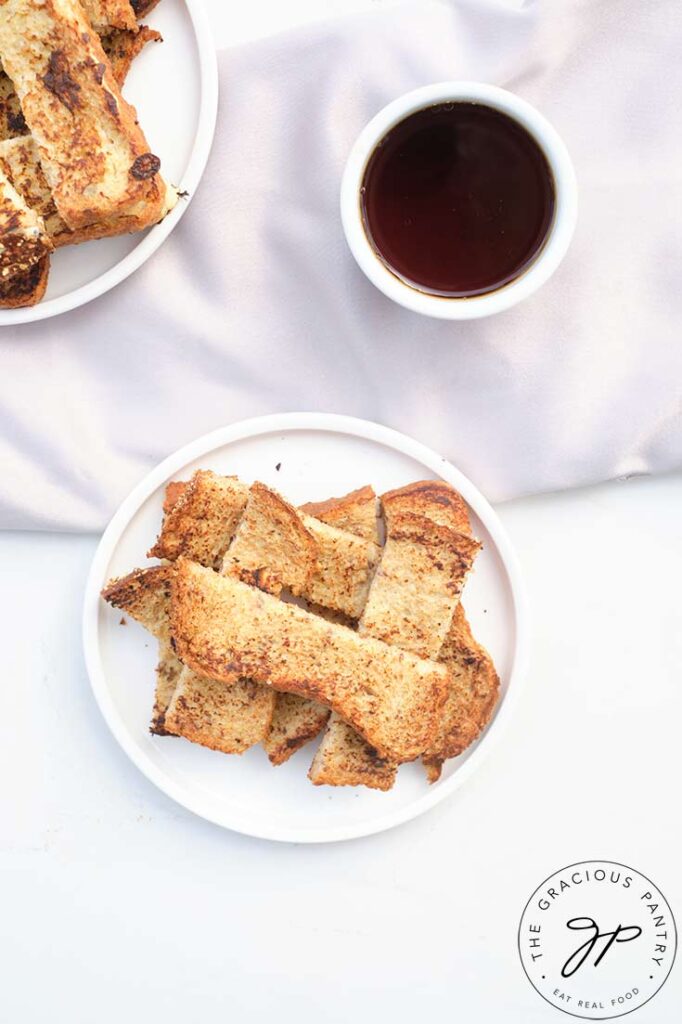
[{"x": 457, "y": 199}]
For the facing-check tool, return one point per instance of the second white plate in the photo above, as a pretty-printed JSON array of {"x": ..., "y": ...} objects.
[
  {"x": 307, "y": 456},
  {"x": 174, "y": 86}
]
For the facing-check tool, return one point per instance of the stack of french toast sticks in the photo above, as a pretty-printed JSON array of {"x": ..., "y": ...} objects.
[
  {"x": 74, "y": 162},
  {"x": 343, "y": 617}
]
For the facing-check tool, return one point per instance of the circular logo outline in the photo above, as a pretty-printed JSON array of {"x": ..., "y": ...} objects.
[{"x": 568, "y": 867}]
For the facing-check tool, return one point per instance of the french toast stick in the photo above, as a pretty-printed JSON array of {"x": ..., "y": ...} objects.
[
  {"x": 226, "y": 629},
  {"x": 121, "y": 47},
  {"x": 94, "y": 154}
]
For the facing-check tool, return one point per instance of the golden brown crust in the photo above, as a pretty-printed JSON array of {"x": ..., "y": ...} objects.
[
  {"x": 474, "y": 691},
  {"x": 225, "y": 629},
  {"x": 295, "y": 722},
  {"x": 144, "y": 594},
  {"x": 355, "y": 512},
  {"x": 434, "y": 499},
  {"x": 344, "y": 759},
  {"x": 271, "y": 541},
  {"x": 228, "y": 718},
  {"x": 25, "y": 289},
  {"x": 203, "y": 521},
  {"x": 93, "y": 153},
  {"x": 122, "y": 47}
]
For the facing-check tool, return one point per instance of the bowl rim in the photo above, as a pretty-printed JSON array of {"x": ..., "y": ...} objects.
[{"x": 548, "y": 257}]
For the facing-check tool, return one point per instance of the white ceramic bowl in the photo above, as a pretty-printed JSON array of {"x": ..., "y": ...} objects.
[{"x": 548, "y": 258}]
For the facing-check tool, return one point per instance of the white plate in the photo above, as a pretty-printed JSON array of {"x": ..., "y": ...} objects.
[
  {"x": 174, "y": 85},
  {"x": 319, "y": 456}
]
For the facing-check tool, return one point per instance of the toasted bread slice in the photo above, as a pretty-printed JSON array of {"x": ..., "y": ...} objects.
[
  {"x": 121, "y": 47},
  {"x": 418, "y": 584},
  {"x": 474, "y": 690},
  {"x": 411, "y": 604},
  {"x": 355, "y": 512},
  {"x": 295, "y": 722},
  {"x": 23, "y": 236},
  {"x": 104, "y": 15},
  {"x": 25, "y": 289},
  {"x": 94, "y": 154},
  {"x": 225, "y": 629},
  {"x": 203, "y": 521},
  {"x": 271, "y": 547},
  {"x": 144, "y": 594},
  {"x": 226, "y": 718},
  {"x": 343, "y": 758}
]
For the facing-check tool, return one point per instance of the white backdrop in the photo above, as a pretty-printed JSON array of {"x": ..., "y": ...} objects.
[{"x": 117, "y": 905}]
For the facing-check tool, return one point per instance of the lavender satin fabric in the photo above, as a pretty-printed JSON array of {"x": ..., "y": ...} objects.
[{"x": 254, "y": 305}]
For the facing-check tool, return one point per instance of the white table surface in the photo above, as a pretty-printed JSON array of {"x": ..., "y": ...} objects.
[{"x": 117, "y": 905}]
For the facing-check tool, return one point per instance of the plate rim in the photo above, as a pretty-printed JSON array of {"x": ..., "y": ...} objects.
[
  {"x": 154, "y": 238},
  {"x": 291, "y": 422}
]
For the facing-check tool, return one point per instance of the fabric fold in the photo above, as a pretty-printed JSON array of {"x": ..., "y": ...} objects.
[{"x": 254, "y": 305}]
